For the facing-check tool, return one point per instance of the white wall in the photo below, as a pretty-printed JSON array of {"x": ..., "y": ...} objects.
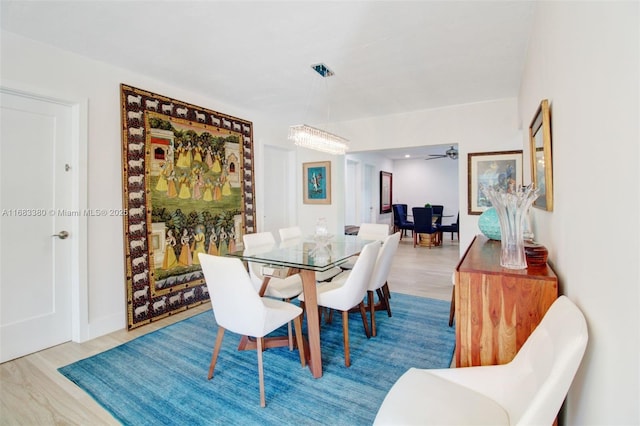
[
  {"x": 418, "y": 181},
  {"x": 583, "y": 57}
]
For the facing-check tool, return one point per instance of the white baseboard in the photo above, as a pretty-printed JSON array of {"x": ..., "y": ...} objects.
[{"x": 105, "y": 325}]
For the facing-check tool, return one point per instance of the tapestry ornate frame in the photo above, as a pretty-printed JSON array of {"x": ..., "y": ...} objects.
[{"x": 188, "y": 188}]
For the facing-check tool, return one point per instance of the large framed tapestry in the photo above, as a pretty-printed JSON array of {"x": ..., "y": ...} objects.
[{"x": 188, "y": 188}]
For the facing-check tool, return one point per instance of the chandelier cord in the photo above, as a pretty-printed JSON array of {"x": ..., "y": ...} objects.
[{"x": 315, "y": 138}]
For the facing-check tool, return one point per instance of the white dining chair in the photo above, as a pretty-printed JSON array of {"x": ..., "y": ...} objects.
[
  {"x": 344, "y": 295},
  {"x": 279, "y": 288},
  {"x": 529, "y": 390},
  {"x": 290, "y": 233},
  {"x": 373, "y": 231},
  {"x": 293, "y": 234},
  {"x": 378, "y": 282},
  {"x": 238, "y": 308},
  {"x": 368, "y": 231}
]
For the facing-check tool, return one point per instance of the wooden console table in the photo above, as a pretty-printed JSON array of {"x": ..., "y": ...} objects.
[{"x": 497, "y": 308}]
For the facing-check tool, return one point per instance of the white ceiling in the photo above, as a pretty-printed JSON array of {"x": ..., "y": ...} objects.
[{"x": 388, "y": 56}]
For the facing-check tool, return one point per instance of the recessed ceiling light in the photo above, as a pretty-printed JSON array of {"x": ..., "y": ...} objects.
[{"x": 407, "y": 156}]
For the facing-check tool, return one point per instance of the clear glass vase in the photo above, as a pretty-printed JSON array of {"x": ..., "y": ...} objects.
[{"x": 512, "y": 207}]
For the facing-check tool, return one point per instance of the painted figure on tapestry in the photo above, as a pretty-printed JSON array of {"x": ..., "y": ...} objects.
[
  {"x": 213, "y": 243},
  {"x": 170, "y": 260},
  {"x": 198, "y": 244},
  {"x": 185, "y": 250}
]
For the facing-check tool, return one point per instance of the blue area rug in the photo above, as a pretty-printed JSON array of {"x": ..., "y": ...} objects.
[{"x": 161, "y": 377}]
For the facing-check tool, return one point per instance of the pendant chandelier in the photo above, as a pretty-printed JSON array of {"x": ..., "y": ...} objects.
[
  {"x": 317, "y": 139},
  {"x": 313, "y": 138}
]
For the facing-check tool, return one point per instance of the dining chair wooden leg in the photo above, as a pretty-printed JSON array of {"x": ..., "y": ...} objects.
[
  {"x": 383, "y": 300},
  {"x": 328, "y": 316},
  {"x": 345, "y": 338},
  {"x": 372, "y": 312},
  {"x": 289, "y": 334},
  {"x": 216, "y": 351},
  {"x": 261, "y": 372},
  {"x": 297, "y": 323},
  {"x": 365, "y": 323},
  {"x": 387, "y": 296}
]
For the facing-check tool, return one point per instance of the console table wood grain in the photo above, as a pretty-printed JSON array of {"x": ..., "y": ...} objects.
[{"x": 497, "y": 308}]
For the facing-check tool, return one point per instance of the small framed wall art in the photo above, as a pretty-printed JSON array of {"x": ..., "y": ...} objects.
[{"x": 316, "y": 182}]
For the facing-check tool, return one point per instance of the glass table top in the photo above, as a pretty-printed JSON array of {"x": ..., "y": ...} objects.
[{"x": 306, "y": 253}]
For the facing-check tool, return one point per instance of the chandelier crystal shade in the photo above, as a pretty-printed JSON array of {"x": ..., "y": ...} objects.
[{"x": 317, "y": 139}]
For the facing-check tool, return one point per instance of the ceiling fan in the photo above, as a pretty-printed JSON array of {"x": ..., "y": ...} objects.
[{"x": 450, "y": 153}]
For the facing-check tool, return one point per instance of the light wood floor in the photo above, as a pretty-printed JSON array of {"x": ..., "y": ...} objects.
[{"x": 32, "y": 392}]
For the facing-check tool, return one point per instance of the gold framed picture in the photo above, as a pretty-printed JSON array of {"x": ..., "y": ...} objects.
[
  {"x": 541, "y": 162},
  {"x": 501, "y": 169}
]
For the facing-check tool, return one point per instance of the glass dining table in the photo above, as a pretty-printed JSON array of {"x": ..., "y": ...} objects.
[{"x": 305, "y": 256}]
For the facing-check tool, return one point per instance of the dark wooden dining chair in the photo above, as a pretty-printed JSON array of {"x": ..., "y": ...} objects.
[
  {"x": 400, "y": 221},
  {"x": 423, "y": 224},
  {"x": 453, "y": 227},
  {"x": 438, "y": 211}
]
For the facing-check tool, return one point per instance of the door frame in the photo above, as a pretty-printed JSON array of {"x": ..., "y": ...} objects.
[{"x": 79, "y": 245}]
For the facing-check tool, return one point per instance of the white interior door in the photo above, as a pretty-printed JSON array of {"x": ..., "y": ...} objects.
[
  {"x": 352, "y": 195},
  {"x": 35, "y": 199},
  {"x": 279, "y": 188}
]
